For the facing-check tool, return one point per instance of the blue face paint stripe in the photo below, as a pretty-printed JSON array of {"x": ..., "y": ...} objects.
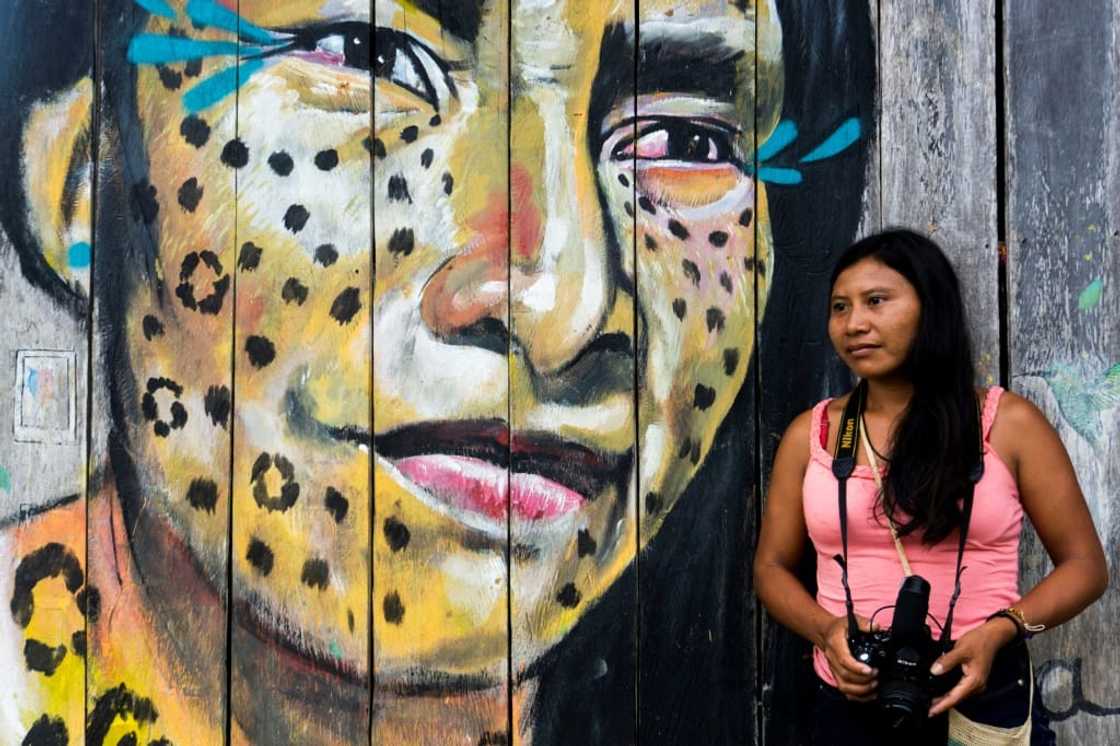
[
  {"x": 839, "y": 141},
  {"x": 783, "y": 135},
  {"x": 783, "y": 176},
  {"x": 219, "y": 85},
  {"x": 157, "y": 7},
  {"x": 153, "y": 49},
  {"x": 78, "y": 255},
  {"x": 209, "y": 13}
]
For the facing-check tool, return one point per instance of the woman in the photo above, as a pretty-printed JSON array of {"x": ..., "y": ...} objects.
[{"x": 897, "y": 321}]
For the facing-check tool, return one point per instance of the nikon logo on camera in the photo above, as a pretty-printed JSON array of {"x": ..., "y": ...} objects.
[{"x": 848, "y": 434}]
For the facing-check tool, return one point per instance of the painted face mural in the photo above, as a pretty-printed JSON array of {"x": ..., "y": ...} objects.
[{"x": 431, "y": 313}]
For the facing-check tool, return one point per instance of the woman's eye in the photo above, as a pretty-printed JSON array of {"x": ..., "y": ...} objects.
[
  {"x": 389, "y": 54},
  {"x": 837, "y": 307},
  {"x": 677, "y": 140}
]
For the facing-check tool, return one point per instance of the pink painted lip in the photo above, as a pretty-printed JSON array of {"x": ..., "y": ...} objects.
[{"x": 483, "y": 487}]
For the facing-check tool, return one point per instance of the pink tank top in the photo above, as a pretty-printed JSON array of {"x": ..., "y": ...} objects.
[{"x": 991, "y": 553}]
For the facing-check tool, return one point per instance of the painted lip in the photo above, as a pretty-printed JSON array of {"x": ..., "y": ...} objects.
[{"x": 476, "y": 467}]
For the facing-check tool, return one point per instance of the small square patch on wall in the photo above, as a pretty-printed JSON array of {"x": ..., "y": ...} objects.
[{"x": 46, "y": 396}]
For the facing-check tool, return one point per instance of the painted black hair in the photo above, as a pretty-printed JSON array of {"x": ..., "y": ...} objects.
[{"x": 937, "y": 440}]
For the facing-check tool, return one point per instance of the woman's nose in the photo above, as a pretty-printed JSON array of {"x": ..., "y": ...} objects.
[{"x": 536, "y": 272}]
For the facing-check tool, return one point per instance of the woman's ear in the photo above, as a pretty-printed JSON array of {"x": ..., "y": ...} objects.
[{"x": 57, "y": 155}]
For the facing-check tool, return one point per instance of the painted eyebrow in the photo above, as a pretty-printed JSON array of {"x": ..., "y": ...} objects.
[
  {"x": 700, "y": 62},
  {"x": 463, "y": 18}
]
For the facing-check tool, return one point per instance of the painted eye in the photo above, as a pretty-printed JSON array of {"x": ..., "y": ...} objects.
[{"x": 677, "y": 140}]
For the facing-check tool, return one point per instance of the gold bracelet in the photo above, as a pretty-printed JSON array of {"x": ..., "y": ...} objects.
[{"x": 1027, "y": 629}]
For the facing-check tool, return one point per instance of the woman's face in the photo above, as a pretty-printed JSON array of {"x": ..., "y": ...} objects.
[
  {"x": 873, "y": 318},
  {"x": 384, "y": 285}
]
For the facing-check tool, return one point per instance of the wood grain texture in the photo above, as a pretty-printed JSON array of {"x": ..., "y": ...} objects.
[
  {"x": 1063, "y": 112},
  {"x": 939, "y": 149}
]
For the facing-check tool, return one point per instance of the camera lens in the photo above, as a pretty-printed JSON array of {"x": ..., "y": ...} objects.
[{"x": 904, "y": 704}]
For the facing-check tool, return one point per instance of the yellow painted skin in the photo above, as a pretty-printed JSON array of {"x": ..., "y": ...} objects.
[{"x": 439, "y": 605}]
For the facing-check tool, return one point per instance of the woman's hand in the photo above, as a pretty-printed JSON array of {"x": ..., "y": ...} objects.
[
  {"x": 856, "y": 681},
  {"x": 974, "y": 653}
]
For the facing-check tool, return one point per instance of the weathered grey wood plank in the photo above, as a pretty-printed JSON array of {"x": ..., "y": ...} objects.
[
  {"x": 1063, "y": 113},
  {"x": 939, "y": 150}
]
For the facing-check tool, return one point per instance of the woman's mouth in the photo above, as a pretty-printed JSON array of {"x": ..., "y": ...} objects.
[
  {"x": 861, "y": 351},
  {"x": 477, "y": 468}
]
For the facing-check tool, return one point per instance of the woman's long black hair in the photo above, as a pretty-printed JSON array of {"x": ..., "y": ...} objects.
[{"x": 937, "y": 441}]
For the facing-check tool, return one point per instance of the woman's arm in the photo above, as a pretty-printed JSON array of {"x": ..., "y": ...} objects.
[
  {"x": 780, "y": 545},
  {"x": 1053, "y": 501}
]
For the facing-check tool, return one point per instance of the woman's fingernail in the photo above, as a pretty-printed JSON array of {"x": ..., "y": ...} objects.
[{"x": 936, "y": 669}]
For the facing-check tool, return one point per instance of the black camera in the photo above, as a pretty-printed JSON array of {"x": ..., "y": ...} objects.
[{"x": 903, "y": 655}]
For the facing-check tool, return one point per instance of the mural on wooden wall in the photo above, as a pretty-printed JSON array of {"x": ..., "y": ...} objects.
[{"x": 427, "y": 341}]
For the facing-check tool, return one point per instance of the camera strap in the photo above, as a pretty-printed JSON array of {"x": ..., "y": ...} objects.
[{"x": 843, "y": 465}]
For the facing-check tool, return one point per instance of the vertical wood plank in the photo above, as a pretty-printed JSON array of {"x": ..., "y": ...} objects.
[
  {"x": 939, "y": 150},
  {"x": 158, "y": 524},
  {"x": 440, "y": 535},
  {"x": 45, "y": 283},
  {"x": 573, "y": 507},
  {"x": 1063, "y": 112},
  {"x": 302, "y": 370},
  {"x": 829, "y": 57}
]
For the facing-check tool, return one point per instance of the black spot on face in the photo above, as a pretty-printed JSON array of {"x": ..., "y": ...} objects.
[
  {"x": 650, "y": 243},
  {"x": 42, "y": 658},
  {"x": 235, "y": 154},
  {"x": 398, "y": 189},
  {"x": 680, "y": 308},
  {"x": 295, "y": 218},
  {"x": 691, "y": 271},
  {"x": 715, "y": 320},
  {"x": 397, "y": 534},
  {"x": 261, "y": 350},
  {"x": 89, "y": 602},
  {"x": 725, "y": 281},
  {"x": 350, "y": 620},
  {"x": 694, "y": 455},
  {"x": 326, "y": 160},
  {"x": 703, "y": 397},
  {"x": 190, "y": 193},
  {"x": 281, "y": 163},
  {"x": 294, "y": 291},
  {"x": 336, "y": 504},
  {"x": 78, "y": 642},
  {"x": 409, "y": 133},
  {"x": 379, "y": 148},
  {"x": 401, "y": 242},
  {"x": 448, "y": 183},
  {"x": 260, "y": 556},
  {"x": 435, "y": 121},
  {"x": 250, "y": 256},
  {"x": 171, "y": 79},
  {"x": 289, "y": 488},
  {"x": 128, "y": 739},
  {"x": 195, "y": 131},
  {"x": 150, "y": 407},
  {"x": 326, "y": 255},
  {"x": 629, "y": 209},
  {"x": 48, "y": 561},
  {"x": 212, "y": 303},
  {"x": 525, "y": 553},
  {"x": 203, "y": 494},
  {"x": 217, "y": 404},
  {"x": 730, "y": 360},
  {"x": 653, "y": 503},
  {"x": 623, "y": 180},
  {"x": 677, "y": 229},
  {"x": 346, "y": 305},
  {"x": 585, "y": 544},
  {"x": 47, "y": 731},
  {"x": 315, "y": 573},
  {"x": 392, "y": 608},
  {"x": 569, "y": 596},
  {"x": 686, "y": 447},
  {"x": 145, "y": 206},
  {"x": 718, "y": 239},
  {"x": 426, "y": 157},
  {"x": 193, "y": 69},
  {"x": 645, "y": 203},
  {"x": 153, "y": 327},
  {"x": 745, "y": 217}
]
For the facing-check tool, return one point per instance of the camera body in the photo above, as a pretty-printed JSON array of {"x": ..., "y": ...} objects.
[{"x": 903, "y": 656}]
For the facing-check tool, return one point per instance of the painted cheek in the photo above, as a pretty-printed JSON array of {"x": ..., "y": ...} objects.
[{"x": 688, "y": 186}]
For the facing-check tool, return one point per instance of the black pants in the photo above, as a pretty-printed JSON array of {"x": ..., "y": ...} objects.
[{"x": 837, "y": 721}]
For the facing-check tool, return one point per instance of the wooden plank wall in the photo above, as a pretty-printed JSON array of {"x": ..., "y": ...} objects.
[
  {"x": 1062, "y": 72},
  {"x": 261, "y": 570}
]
